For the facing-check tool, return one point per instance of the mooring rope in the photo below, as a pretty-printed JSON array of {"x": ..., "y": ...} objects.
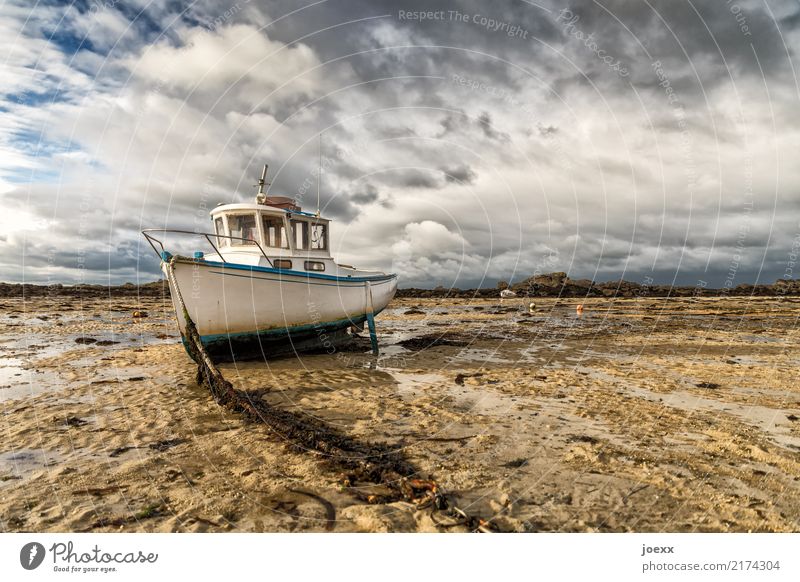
[{"x": 363, "y": 463}]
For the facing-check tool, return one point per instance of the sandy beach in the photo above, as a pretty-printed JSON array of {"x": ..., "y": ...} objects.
[{"x": 643, "y": 414}]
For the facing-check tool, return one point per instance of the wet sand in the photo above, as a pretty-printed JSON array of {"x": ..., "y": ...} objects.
[{"x": 641, "y": 415}]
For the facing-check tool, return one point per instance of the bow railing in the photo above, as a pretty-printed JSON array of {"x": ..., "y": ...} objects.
[{"x": 207, "y": 235}]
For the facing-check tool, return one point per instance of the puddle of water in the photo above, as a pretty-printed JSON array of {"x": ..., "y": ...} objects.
[
  {"x": 22, "y": 320},
  {"x": 32, "y": 345},
  {"x": 750, "y": 361},
  {"x": 761, "y": 339},
  {"x": 759, "y": 416},
  {"x": 484, "y": 402},
  {"x": 43, "y": 345},
  {"x": 478, "y": 355},
  {"x": 763, "y": 418},
  {"x": 472, "y": 399},
  {"x": 20, "y": 378},
  {"x": 17, "y": 381},
  {"x": 22, "y": 463},
  {"x": 410, "y": 383},
  {"x": 11, "y": 371},
  {"x": 519, "y": 420}
]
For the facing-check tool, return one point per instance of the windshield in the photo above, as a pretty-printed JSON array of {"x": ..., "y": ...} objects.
[
  {"x": 319, "y": 237},
  {"x": 242, "y": 226},
  {"x": 220, "y": 231},
  {"x": 274, "y": 232},
  {"x": 300, "y": 234}
]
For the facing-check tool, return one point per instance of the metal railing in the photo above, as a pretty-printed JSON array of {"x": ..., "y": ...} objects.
[{"x": 207, "y": 235}]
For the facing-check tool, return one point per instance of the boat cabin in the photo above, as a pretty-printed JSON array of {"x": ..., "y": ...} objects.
[{"x": 279, "y": 235}]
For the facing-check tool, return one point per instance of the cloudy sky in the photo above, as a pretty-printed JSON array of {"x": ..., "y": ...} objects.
[{"x": 655, "y": 140}]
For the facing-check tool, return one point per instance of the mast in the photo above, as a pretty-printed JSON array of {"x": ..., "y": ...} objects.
[
  {"x": 261, "y": 197},
  {"x": 319, "y": 169}
]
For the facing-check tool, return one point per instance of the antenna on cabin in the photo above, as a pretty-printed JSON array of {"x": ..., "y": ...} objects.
[
  {"x": 261, "y": 197},
  {"x": 319, "y": 169}
]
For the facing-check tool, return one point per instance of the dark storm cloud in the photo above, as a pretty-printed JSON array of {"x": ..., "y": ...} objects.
[
  {"x": 47, "y": 262},
  {"x": 700, "y": 33},
  {"x": 412, "y": 178},
  {"x": 462, "y": 123},
  {"x": 448, "y": 38},
  {"x": 485, "y": 121},
  {"x": 696, "y": 29},
  {"x": 367, "y": 194},
  {"x": 459, "y": 174}
]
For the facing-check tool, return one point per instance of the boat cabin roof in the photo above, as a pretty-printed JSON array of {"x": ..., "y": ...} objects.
[{"x": 266, "y": 208}]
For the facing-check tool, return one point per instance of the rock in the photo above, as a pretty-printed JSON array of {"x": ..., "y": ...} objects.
[
  {"x": 425, "y": 342},
  {"x": 166, "y": 444},
  {"x": 461, "y": 377},
  {"x": 709, "y": 385},
  {"x": 414, "y": 312},
  {"x": 581, "y": 283},
  {"x": 541, "y": 284}
]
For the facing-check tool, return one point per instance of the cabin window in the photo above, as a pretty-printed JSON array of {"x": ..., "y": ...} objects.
[
  {"x": 300, "y": 234},
  {"x": 319, "y": 237},
  {"x": 282, "y": 263},
  {"x": 274, "y": 232},
  {"x": 315, "y": 266},
  {"x": 220, "y": 229},
  {"x": 243, "y": 226}
]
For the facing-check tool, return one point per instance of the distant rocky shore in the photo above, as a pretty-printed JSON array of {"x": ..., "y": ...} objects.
[
  {"x": 154, "y": 289},
  {"x": 549, "y": 285},
  {"x": 559, "y": 285}
]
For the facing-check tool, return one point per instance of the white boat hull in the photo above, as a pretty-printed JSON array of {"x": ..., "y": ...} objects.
[{"x": 234, "y": 306}]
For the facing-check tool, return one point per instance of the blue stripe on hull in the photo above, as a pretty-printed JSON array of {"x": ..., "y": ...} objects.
[
  {"x": 288, "y": 273},
  {"x": 286, "y": 280}
]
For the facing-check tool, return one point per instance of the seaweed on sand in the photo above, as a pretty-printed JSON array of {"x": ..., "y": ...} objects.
[{"x": 374, "y": 463}]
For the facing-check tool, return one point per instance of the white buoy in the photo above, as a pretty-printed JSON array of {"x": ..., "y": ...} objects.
[
  {"x": 507, "y": 294},
  {"x": 531, "y": 307}
]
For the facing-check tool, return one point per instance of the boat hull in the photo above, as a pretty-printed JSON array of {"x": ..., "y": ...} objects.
[{"x": 243, "y": 311}]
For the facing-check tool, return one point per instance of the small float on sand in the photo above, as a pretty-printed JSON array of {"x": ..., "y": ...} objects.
[{"x": 266, "y": 284}]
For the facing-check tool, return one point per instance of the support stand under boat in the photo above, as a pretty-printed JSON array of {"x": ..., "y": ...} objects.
[{"x": 373, "y": 336}]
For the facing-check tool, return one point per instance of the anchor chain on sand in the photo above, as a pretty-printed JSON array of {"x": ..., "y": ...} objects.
[{"x": 373, "y": 464}]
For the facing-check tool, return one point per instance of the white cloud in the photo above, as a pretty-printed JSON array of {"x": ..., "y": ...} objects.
[
  {"x": 236, "y": 63},
  {"x": 428, "y": 239}
]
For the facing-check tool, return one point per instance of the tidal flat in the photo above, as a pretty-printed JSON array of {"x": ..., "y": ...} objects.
[{"x": 640, "y": 414}]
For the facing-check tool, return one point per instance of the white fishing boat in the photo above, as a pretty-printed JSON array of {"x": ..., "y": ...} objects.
[{"x": 266, "y": 283}]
